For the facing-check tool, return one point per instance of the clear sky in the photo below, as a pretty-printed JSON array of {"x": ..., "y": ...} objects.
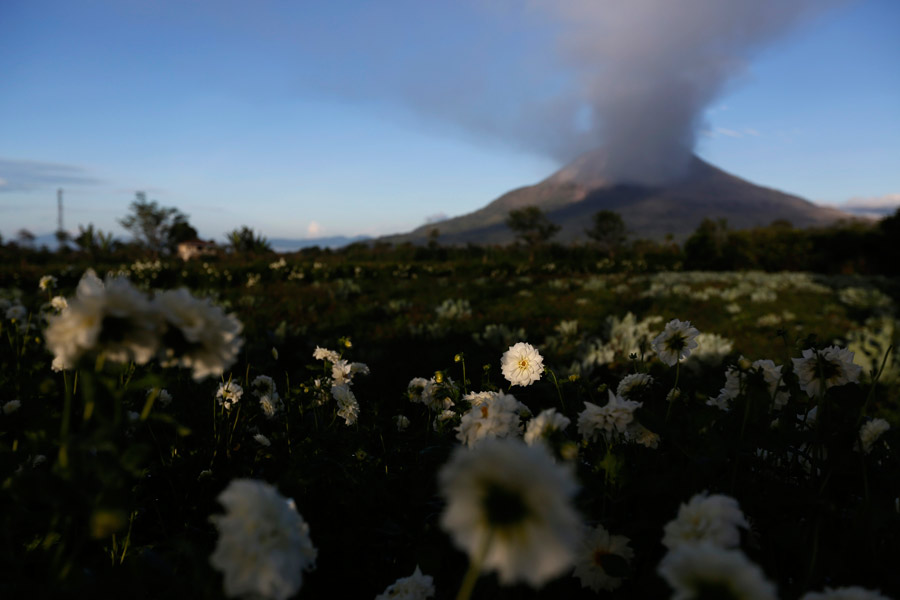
[{"x": 307, "y": 119}]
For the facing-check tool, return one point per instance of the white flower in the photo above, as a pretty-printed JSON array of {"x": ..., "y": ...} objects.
[
  {"x": 543, "y": 425},
  {"x": 340, "y": 372},
  {"x": 264, "y": 543},
  {"x": 16, "y": 312},
  {"x": 631, "y": 384},
  {"x": 415, "y": 587},
  {"x": 11, "y": 407},
  {"x": 513, "y": 503},
  {"x": 325, "y": 354},
  {"x": 163, "y": 397},
  {"x": 773, "y": 378},
  {"x": 442, "y": 417},
  {"x": 599, "y": 548},
  {"x": 819, "y": 370},
  {"x": 229, "y": 394},
  {"x": 522, "y": 364},
  {"x": 47, "y": 282},
  {"x": 200, "y": 336},
  {"x": 675, "y": 342},
  {"x": 869, "y": 433},
  {"x": 113, "y": 318},
  {"x": 348, "y": 407},
  {"x": 710, "y": 519},
  {"x": 845, "y": 593},
  {"x": 430, "y": 393},
  {"x": 269, "y": 400},
  {"x": 263, "y": 385},
  {"x": 639, "y": 434},
  {"x": 495, "y": 415},
  {"x": 607, "y": 420},
  {"x": 694, "y": 568},
  {"x": 58, "y": 303},
  {"x": 402, "y": 422},
  {"x": 262, "y": 440}
]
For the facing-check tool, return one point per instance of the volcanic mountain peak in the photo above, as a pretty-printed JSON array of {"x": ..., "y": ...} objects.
[{"x": 571, "y": 196}]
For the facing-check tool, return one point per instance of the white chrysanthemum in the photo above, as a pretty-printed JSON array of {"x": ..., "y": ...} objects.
[
  {"x": 11, "y": 407},
  {"x": 522, "y": 364},
  {"x": 598, "y": 549},
  {"x": 630, "y": 384},
  {"x": 415, "y": 587},
  {"x": 16, "y": 312},
  {"x": 58, "y": 303},
  {"x": 402, "y": 422},
  {"x": 325, "y": 354},
  {"x": 515, "y": 500},
  {"x": 269, "y": 401},
  {"x": 262, "y": 440},
  {"x": 869, "y": 433},
  {"x": 845, "y": 593},
  {"x": 47, "y": 282},
  {"x": 639, "y": 434},
  {"x": 441, "y": 418},
  {"x": 229, "y": 394},
  {"x": 819, "y": 370},
  {"x": 675, "y": 342},
  {"x": 733, "y": 387},
  {"x": 710, "y": 519},
  {"x": 773, "y": 378},
  {"x": 200, "y": 336},
  {"x": 348, "y": 407},
  {"x": 492, "y": 416},
  {"x": 607, "y": 420},
  {"x": 112, "y": 317},
  {"x": 263, "y": 385},
  {"x": 264, "y": 545},
  {"x": 543, "y": 425},
  {"x": 340, "y": 372},
  {"x": 697, "y": 570}
]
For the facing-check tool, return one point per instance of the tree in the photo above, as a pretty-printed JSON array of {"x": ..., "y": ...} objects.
[
  {"x": 608, "y": 231},
  {"x": 25, "y": 237},
  {"x": 531, "y": 226},
  {"x": 92, "y": 241},
  {"x": 156, "y": 227},
  {"x": 244, "y": 240}
]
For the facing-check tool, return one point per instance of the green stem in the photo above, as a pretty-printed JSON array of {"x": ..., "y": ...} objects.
[
  {"x": 474, "y": 570},
  {"x": 562, "y": 402},
  {"x": 674, "y": 387}
]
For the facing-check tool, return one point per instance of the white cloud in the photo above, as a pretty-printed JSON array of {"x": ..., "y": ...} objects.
[{"x": 878, "y": 206}]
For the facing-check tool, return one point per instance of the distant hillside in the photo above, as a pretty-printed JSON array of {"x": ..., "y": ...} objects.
[
  {"x": 571, "y": 196},
  {"x": 337, "y": 241}
]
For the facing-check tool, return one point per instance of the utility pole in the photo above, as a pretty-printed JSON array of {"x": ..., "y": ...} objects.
[{"x": 59, "y": 223}]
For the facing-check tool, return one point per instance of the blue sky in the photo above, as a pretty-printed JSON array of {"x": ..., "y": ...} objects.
[{"x": 306, "y": 119}]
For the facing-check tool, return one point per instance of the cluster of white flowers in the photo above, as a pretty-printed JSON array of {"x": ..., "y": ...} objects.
[
  {"x": 712, "y": 519},
  {"x": 522, "y": 364},
  {"x": 415, "y": 587},
  {"x": 493, "y": 415},
  {"x": 453, "y": 309},
  {"x": 598, "y": 548},
  {"x": 608, "y": 420},
  {"x": 229, "y": 394},
  {"x": 623, "y": 337},
  {"x": 819, "y": 370},
  {"x": 115, "y": 319},
  {"x": 342, "y": 373},
  {"x": 675, "y": 342},
  {"x": 545, "y": 424},
  {"x": 269, "y": 401},
  {"x": 512, "y": 504},
  {"x": 430, "y": 392},
  {"x": 264, "y": 545},
  {"x": 735, "y": 383}
]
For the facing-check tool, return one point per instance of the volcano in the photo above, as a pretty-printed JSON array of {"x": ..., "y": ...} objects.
[{"x": 571, "y": 196}]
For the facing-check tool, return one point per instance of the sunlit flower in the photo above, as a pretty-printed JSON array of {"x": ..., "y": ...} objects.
[
  {"x": 112, "y": 317},
  {"x": 701, "y": 570},
  {"x": 819, "y": 370},
  {"x": 493, "y": 416},
  {"x": 264, "y": 545},
  {"x": 545, "y": 424},
  {"x": 325, "y": 354},
  {"x": 200, "y": 336},
  {"x": 711, "y": 519},
  {"x": 511, "y": 502},
  {"x": 58, "y": 303},
  {"x": 415, "y": 587},
  {"x": 675, "y": 342},
  {"x": 47, "y": 282},
  {"x": 598, "y": 556},
  {"x": 870, "y": 432},
  {"x": 845, "y": 593},
  {"x": 229, "y": 394},
  {"x": 522, "y": 364}
]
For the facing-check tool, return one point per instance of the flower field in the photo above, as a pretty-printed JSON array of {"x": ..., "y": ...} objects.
[{"x": 316, "y": 426}]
